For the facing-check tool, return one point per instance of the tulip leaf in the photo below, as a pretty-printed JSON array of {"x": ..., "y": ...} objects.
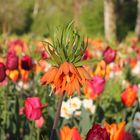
[{"x": 85, "y": 119}]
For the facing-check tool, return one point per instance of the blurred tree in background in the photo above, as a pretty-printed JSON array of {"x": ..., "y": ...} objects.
[
  {"x": 126, "y": 17},
  {"x": 112, "y": 18},
  {"x": 13, "y": 15},
  {"x": 92, "y": 18},
  {"x": 137, "y": 27}
]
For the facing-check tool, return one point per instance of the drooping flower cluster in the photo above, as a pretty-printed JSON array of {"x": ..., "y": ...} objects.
[
  {"x": 67, "y": 78},
  {"x": 67, "y": 73}
]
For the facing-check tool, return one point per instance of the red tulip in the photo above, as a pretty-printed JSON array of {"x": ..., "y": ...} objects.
[
  {"x": 26, "y": 62},
  {"x": 97, "y": 133},
  {"x": 2, "y": 72},
  {"x": 129, "y": 96},
  {"x": 12, "y": 60},
  {"x": 128, "y": 136},
  {"x": 33, "y": 108},
  {"x": 109, "y": 55}
]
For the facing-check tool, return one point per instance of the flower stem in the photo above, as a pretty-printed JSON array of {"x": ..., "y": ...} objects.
[
  {"x": 56, "y": 117},
  {"x": 38, "y": 134}
]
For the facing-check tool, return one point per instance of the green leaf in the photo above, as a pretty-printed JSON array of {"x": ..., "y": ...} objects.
[
  {"x": 85, "y": 62},
  {"x": 85, "y": 122},
  {"x": 55, "y": 57}
]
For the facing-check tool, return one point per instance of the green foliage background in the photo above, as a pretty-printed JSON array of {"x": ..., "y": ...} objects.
[{"x": 51, "y": 13}]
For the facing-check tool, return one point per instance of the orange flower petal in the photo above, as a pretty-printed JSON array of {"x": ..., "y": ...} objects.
[
  {"x": 46, "y": 76},
  {"x": 52, "y": 75},
  {"x": 76, "y": 86},
  {"x": 59, "y": 73},
  {"x": 65, "y": 68}
]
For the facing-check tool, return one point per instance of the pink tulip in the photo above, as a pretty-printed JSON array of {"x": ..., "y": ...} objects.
[
  {"x": 97, "y": 84},
  {"x": 33, "y": 108},
  {"x": 39, "y": 123},
  {"x": 109, "y": 55},
  {"x": 2, "y": 72},
  {"x": 12, "y": 60}
]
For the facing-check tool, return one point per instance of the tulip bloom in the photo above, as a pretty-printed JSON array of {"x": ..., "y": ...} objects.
[
  {"x": 33, "y": 108},
  {"x": 67, "y": 133},
  {"x": 117, "y": 132},
  {"x": 128, "y": 136},
  {"x": 2, "y": 72},
  {"x": 12, "y": 60},
  {"x": 109, "y": 55},
  {"x": 26, "y": 62},
  {"x": 13, "y": 75},
  {"x": 102, "y": 70},
  {"x": 97, "y": 133},
  {"x": 129, "y": 96},
  {"x": 17, "y": 45},
  {"x": 95, "y": 87}
]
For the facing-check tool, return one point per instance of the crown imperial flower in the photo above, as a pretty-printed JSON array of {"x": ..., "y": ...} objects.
[{"x": 67, "y": 73}]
